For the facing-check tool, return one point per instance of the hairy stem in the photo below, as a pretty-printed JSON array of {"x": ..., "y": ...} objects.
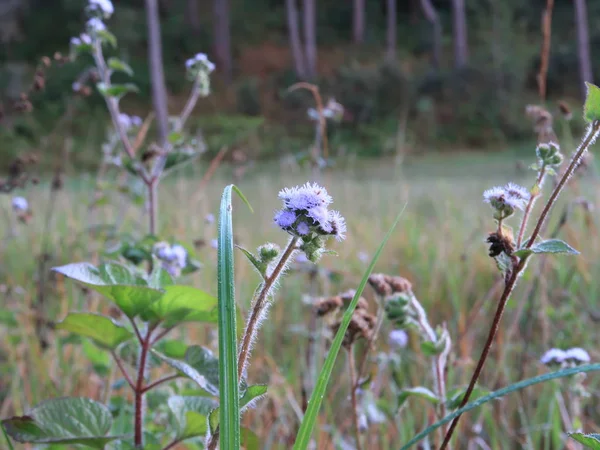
[
  {"x": 510, "y": 285},
  {"x": 352, "y": 369},
  {"x": 585, "y": 143},
  {"x": 152, "y": 205},
  {"x": 530, "y": 204},
  {"x": 259, "y": 304},
  {"x": 253, "y": 321},
  {"x": 139, "y": 392}
]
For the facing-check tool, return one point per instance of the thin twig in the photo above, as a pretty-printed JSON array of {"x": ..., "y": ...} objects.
[
  {"x": 536, "y": 192},
  {"x": 123, "y": 370},
  {"x": 161, "y": 381},
  {"x": 352, "y": 369}
]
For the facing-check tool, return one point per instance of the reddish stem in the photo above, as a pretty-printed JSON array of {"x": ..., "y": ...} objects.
[
  {"x": 123, "y": 371},
  {"x": 158, "y": 382}
]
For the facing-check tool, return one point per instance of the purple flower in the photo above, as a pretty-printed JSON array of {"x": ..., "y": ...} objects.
[
  {"x": 285, "y": 218},
  {"x": 577, "y": 355},
  {"x": 320, "y": 216},
  {"x": 104, "y": 6},
  {"x": 95, "y": 25},
  {"x": 180, "y": 254},
  {"x": 305, "y": 197},
  {"x": 398, "y": 339},
  {"x": 338, "y": 225},
  {"x": 511, "y": 197},
  {"x": 303, "y": 229}
]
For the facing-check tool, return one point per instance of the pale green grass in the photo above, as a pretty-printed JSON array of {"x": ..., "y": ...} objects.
[{"x": 438, "y": 245}]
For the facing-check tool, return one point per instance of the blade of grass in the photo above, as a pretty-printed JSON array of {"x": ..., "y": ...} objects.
[
  {"x": 229, "y": 420},
  {"x": 500, "y": 393},
  {"x": 316, "y": 398},
  {"x": 10, "y": 446}
]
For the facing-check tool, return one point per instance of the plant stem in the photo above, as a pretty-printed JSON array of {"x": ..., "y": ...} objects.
[
  {"x": 585, "y": 143},
  {"x": 529, "y": 208},
  {"x": 172, "y": 444},
  {"x": 510, "y": 285},
  {"x": 251, "y": 326},
  {"x": 158, "y": 382},
  {"x": 139, "y": 391},
  {"x": 352, "y": 369},
  {"x": 253, "y": 321},
  {"x": 123, "y": 371},
  {"x": 152, "y": 205}
]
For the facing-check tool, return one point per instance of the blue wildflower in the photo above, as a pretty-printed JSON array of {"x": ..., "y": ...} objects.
[{"x": 285, "y": 218}]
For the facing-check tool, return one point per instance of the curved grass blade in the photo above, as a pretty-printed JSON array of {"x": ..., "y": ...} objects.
[
  {"x": 500, "y": 393},
  {"x": 316, "y": 398},
  {"x": 10, "y": 446},
  {"x": 229, "y": 421}
]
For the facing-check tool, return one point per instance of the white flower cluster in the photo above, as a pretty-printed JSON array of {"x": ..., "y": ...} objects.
[
  {"x": 20, "y": 204},
  {"x": 200, "y": 62},
  {"x": 556, "y": 356},
  {"x": 333, "y": 110},
  {"x": 199, "y": 69},
  {"x": 128, "y": 122},
  {"x": 103, "y": 8},
  {"x": 173, "y": 258}
]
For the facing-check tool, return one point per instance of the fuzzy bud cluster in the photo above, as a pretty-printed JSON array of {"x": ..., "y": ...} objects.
[
  {"x": 199, "y": 68},
  {"x": 306, "y": 215},
  {"x": 173, "y": 257},
  {"x": 506, "y": 199}
]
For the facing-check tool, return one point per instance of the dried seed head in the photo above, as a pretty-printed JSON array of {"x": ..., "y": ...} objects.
[
  {"x": 386, "y": 285},
  {"x": 361, "y": 325},
  {"x": 565, "y": 110},
  {"x": 327, "y": 305},
  {"x": 500, "y": 243}
]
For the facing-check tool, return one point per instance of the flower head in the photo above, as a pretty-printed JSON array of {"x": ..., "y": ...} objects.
[
  {"x": 20, "y": 204},
  {"x": 577, "y": 355},
  {"x": 553, "y": 356},
  {"x": 305, "y": 215},
  {"x": 103, "y": 8},
  {"x": 95, "y": 24},
  {"x": 173, "y": 258},
  {"x": 398, "y": 339},
  {"x": 201, "y": 62},
  {"x": 506, "y": 199},
  {"x": 209, "y": 219}
]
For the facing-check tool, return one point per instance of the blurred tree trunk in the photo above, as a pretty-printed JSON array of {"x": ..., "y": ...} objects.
[
  {"x": 461, "y": 48},
  {"x": 358, "y": 22},
  {"x": 432, "y": 16},
  {"x": 392, "y": 23},
  {"x": 159, "y": 89},
  {"x": 222, "y": 36},
  {"x": 583, "y": 44},
  {"x": 295, "y": 41},
  {"x": 310, "y": 37},
  {"x": 193, "y": 16}
]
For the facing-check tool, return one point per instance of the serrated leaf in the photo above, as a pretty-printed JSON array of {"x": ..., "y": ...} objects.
[
  {"x": 199, "y": 365},
  {"x": 182, "y": 304},
  {"x": 104, "y": 331},
  {"x": 588, "y": 440},
  {"x": 116, "y": 282},
  {"x": 71, "y": 420},
  {"x": 261, "y": 267},
  {"x": 117, "y": 65},
  {"x": 191, "y": 415},
  {"x": 420, "y": 392},
  {"x": 591, "y": 108}
]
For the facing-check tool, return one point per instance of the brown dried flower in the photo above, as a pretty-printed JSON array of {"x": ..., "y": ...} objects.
[
  {"x": 362, "y": 325},
  {"x": 500, "y": 243},
  {"x": 386, "y": 285}
]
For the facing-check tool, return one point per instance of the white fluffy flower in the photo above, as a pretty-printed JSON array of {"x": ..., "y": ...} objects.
[
  {"x": 577, "y": 355},
  {"x": 553, "y": 356},
  {"x": 103, "y": 6},
  {"x": 180, "y": 254},
  {"x": 20, "y": 204},
  {"x": 398, "y": 339},
  {"x": 95, "y": 25},
  {"x": 201, "y": 62}
]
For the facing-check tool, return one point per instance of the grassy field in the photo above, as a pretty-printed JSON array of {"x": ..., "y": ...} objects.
[{"x": 439, "y": 246}]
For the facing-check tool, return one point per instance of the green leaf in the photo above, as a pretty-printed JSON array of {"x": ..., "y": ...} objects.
[
  {"x": 178, "y": 157},
  {"x": 71, "y": 420},
  {"x": 173, "y": 348},
  {"x": 249, "y": 439},
  {"x": 588, "y": 440},
  {"x": 549, "y": 246},
  {"x": 191, "y": 414},
  {"x": 229, "y": 411},
  {"x": 8, "y": 442},
  {"x": 316, "y": 398},
  {"x": 159, "y": 277},
  {"x": 420, "y": 392},
  {"x": 261, "y": 267},
  {"x": 500, "y": 393},
  {"x": 200, "y": 366},
  {"x": 116, "y": 282},
  {"x": 104, "y": 331},
  {"x": 429, "y": 348},
  {"x": 117, "y": 65},
  {"x": 116, "y": 90},
  {"x": 182, "y": 304},
  {"x": 99, "y": 358},
  {"x": 591, "y": 108},
  {"x": 107, "y": 36}
]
